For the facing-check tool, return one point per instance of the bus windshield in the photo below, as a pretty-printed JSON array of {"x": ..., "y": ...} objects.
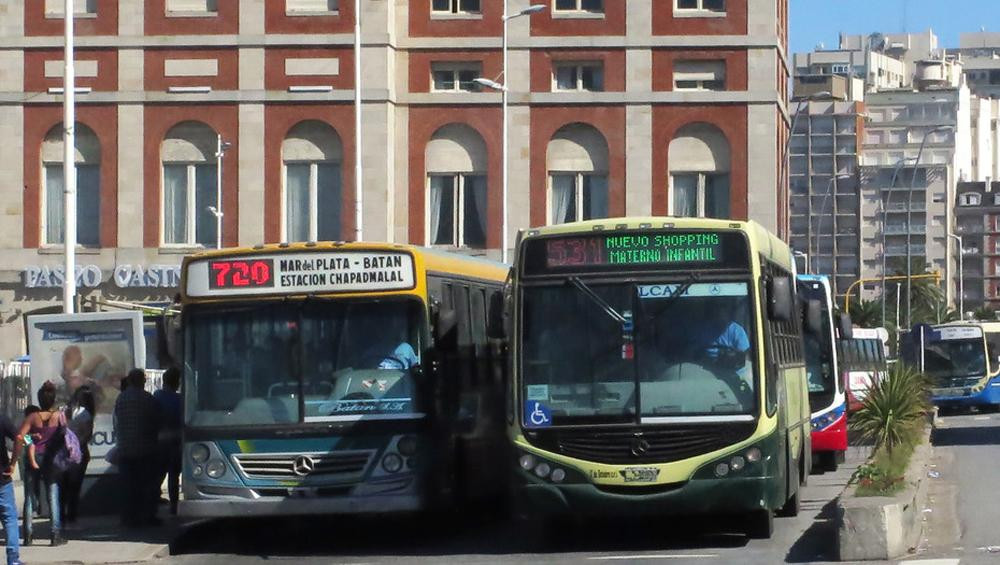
[
  {"x": 312, "y": 361},
  {"x": 676, "y": 350},
  {"x": 819, "y": 348},
  {"x": 955, "y": 358}
]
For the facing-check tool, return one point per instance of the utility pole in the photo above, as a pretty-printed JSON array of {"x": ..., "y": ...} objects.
[{"x": 69, "y": 164}]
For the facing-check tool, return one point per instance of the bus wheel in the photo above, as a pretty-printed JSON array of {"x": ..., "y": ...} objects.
[
  {"x": 760, "y": 524},
  {"x": 830, "y": 462},
  {"x": 791, "y": 507}
]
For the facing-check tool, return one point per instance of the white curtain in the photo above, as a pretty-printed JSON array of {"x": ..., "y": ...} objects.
[
  {"x": 175, "y": 204},
  {"x": 478, "y": 183},
  {"x": 685, "y": 195},
  {"x": 563, "y": 196},
  {"x": 595, "y": 190},
  {"x": 437, "y": 194},
  {"x": 54, "y": 204},
  {"x": 297, "y": 201}
]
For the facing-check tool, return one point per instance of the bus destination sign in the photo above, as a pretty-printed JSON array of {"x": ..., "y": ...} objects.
[
  {"x": 648, "y": 249},
  {"x": 305, "y": 272},
  {"x": 640, "y": 249}
]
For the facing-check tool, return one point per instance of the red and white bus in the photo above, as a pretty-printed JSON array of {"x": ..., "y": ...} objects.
[{"x": 864, "y": 362}]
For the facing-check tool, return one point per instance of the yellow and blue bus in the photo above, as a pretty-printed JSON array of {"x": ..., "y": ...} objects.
[
  {"x": 961, "y": 360},
  {"x": 827, "y": 381},
  {"x": 657, "y": 368},
  {"x": 327, "y": 378}
]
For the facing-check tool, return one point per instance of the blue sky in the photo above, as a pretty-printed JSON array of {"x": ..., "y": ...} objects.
[{"x": 820, "y": 21}]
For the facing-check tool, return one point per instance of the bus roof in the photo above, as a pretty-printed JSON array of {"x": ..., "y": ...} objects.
[{"x": 761, "y": 240}]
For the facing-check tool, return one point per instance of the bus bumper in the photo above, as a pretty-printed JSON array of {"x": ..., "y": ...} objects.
[
  {"x": 705, "y": 496},
  {"x": 293, "y": 506},
  {"x": 966, "y": 397},
  {"x": 831, "y": 438}
]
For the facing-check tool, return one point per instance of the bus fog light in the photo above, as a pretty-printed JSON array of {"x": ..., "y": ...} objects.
[
  {"x": 542, "y": 470},
  {"x": 753, "y": 454},
  {"x": 392, "y": 463},
  {"x": 558, "y": 476},
  {"x": 527, "y": 462},
  {"x": 722, "y": 469},
  {"x": 215, "y": 469},
  {"x": 197, "y": 471},
  {"x": 407, "y": 446},
  {"x": 199, "y": 453},
  {"x": 737, "y": 463}
]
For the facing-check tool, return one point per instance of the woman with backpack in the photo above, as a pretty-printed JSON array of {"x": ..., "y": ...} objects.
[
  {"x": 80, "y": 414},
  {"x": 42, "y": 427}
]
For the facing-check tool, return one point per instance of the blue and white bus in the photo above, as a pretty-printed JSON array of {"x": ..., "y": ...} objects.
[{"x": 961, "y": 360}]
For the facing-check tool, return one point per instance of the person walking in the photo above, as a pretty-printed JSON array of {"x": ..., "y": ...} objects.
[
  {"x": 8, "y": 507},
  {"x": 42, "y": 427},
  {"x": 80, "y": 413},
  {"x": 169, "y": 401},
  {"x": 137, "y": 423}
]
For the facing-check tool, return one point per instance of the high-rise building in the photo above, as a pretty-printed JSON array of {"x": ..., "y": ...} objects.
[{"x": 664, "y": 107}]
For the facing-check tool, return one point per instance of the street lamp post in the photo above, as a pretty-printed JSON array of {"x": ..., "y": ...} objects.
[
  {"x": 788, "y": 142},
  {"x": 885, "y": 208},
  {"x": 502, "y": 87},
  {"x": 220, "y": 152},
  {"x": 359, "y": 196},
  {"x": 909, "y": 197},
  {"x": 69, "y": 164},
  {"x": 819, "y": 215},
  {"x": 961, "y": 276}
]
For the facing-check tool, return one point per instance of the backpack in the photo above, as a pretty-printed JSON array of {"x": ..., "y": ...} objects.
[{"x": 68, "y": 454}]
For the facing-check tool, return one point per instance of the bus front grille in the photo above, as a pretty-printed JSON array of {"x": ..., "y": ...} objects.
[
  {"x": 661, "y": 444},
  {"x": 340, "y": 464}
]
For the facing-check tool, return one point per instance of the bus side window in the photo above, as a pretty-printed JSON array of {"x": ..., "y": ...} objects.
[
  {"x": 477, "y": 306},
  {"x": 464, "y": 319}
]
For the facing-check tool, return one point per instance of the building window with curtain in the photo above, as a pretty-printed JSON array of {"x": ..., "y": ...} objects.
[
  {"x": 579, "y": 6},
  {"x": 578, "y": 77},
  {"x": 578, "y": 196},
  {"x": 700, "y": 195},
  {"x": 312, "y": 201},
  {"x": 455, "y": 7},
  {"x": 458, "y": 205},
  {"x": 88, "y": 187},
  {"x": 190, "y": 191},
  {"x": 699, "y": 75},
  {"x": 189, "y": 198},
  {"x": 715, "y": 6},
  {"x": 455, "y": 76}
]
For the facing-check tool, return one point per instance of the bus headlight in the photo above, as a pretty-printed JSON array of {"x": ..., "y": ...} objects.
[
  {"x": 558, "y": 476},
  {"x": 197, "y": 471},
  {"x": 392, "y": 463},
  {"x": 407, "y": 446},
  {"x": 527, "y": 462},
  {"x": 737, "y": 463},
  {"x": 753, "y": 454},
  {"x": 199, "y": 453},
  {"x": 215, "y": 469},
  {"x": 542, "y": 470},
  {"x": 722, "y": 469}
]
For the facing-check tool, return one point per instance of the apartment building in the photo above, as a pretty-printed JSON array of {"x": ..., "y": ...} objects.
[
  {"x": 660, "y": 107},
  {"x": 977, "y": 222}
]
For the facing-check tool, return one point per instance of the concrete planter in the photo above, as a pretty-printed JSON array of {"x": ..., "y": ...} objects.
[{"x": 885, "y": 527}]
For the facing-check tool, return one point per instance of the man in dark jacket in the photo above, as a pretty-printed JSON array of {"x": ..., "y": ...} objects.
[
  {"x": 137, "y": 424},
  {"x": 8, "y": 508}
]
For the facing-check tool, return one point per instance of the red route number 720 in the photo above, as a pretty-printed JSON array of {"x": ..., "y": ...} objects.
[{"x": 253, "y": 273}]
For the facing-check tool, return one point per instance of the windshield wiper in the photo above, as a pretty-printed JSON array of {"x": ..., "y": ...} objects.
[{"x": 596, "y": 298}]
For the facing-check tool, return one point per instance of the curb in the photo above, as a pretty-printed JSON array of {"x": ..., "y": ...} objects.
[{"x": 885, "y": 528}]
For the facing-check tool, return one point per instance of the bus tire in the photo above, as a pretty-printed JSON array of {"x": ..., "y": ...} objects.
[
  {"x": 791, "y": 507},
  {"x": 830, "y": 461},
  {"x": 760, "y": 524}
]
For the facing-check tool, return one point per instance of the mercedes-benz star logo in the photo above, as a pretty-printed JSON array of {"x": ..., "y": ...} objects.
[
  {"x": 303, "y": 465},
  {"x": 639, "y": 447}
]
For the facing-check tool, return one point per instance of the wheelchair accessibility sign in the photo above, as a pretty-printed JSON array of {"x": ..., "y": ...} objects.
[{"x": 537, "y": 415}]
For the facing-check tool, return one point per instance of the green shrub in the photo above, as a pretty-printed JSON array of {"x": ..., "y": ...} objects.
[{"x": 893, "y": 410}]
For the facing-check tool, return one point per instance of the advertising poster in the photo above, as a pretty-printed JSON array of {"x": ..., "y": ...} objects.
[{"x": 95, "y": 348}]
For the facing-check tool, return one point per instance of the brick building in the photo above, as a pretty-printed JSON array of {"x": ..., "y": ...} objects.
[{"x": 617, "y": 108}]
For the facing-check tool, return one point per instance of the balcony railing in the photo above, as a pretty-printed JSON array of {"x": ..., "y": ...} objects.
[
  {"x": 918, "y": 229},
  {"x": 898, "y": 250}
]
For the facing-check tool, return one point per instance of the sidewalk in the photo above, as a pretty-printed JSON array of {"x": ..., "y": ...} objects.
[{"x": 100, "y": 540}]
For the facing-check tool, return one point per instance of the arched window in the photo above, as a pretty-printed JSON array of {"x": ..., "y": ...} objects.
[
  {"x": 456, "y": 179},
  {"x": 699, "y": 172},
  {"x": 88, "y": 187},
  {"x": 577, "y": 161},
  {"x": 190, "y": 196},
  {"x": 312, "y": 155}
]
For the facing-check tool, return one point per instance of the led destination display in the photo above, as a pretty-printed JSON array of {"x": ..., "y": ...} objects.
[{"x": 664, "y": 250}]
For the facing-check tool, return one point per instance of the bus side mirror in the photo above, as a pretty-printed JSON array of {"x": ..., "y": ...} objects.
[
  {"x": 844, "y": 326},
  {"x": 814, "y": 317},
  {"x": 494, "y": 322},
  {"x": 779, "y": 298},
  {"x": 169, "y": 328}
]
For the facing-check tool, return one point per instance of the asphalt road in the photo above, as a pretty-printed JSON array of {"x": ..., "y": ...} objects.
[
  {"x": 964, "y": 521},
  {"x": 808, "y": 538}
]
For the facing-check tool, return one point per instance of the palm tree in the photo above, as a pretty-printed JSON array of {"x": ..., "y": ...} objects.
[
  {"x": 866, "y": 313},
  {"x": 984, "y": 313},
  {"x": 926, "y": 295}
]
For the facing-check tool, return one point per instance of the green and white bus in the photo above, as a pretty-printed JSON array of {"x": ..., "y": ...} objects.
[{"x": 657, "y": 368}]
